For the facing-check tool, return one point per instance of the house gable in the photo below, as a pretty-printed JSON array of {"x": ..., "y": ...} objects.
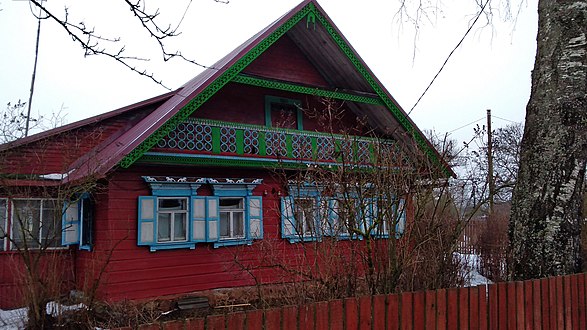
[{"x": 353, "y": 80}]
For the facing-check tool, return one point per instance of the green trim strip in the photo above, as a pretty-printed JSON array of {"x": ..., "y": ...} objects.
[
  {"x": 214, "y": 87},
  {"x": 283, "y": 86}
]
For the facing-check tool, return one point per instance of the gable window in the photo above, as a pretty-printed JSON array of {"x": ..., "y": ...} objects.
[
  {"x": 283, "y": 113},
  {"x": 172, "y": 219},
  {"x": 177, "y": 217},
  {"x": 232, "y": 218},
  {"x": 36, "y": 223}
]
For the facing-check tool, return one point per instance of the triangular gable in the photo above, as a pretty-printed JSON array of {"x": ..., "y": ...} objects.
[{"x": 130, "y": 147}]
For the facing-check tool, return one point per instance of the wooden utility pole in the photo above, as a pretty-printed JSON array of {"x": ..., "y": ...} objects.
[{"x": 490, "y": 163}]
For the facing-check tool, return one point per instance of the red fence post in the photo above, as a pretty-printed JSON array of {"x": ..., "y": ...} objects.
[
  {"x": 407, "y": 315},
  {"x": 567, "y": 302},
  {"x": 493, "y": 303},
  {"x": 483, "y": 314},
  {"x": 379, "y": 312},
  {"x": 463, "y": 308},
  {"x": 365, "y": 313},
  {"x": 441, "y": 309},
  {"x": 537, "y": 302},
  {"x": 452, "y": 307},
  {"x": 235, "y": 321},
  {"x": 306, "y": 317},
  {"x": 582, "y": 306},
  {"x": 431, "y": 308},
  {"x": 574, "y": 301},
  {"x": 322, "y": 315},
  {"x": 552, "y": 303},
  {"x": 393, "y": 312},
  {"x": 511, "y": 298},
  {"x": 419, "y": 310},
  {"x": 544, "y": 294},
  {"x": 351, "y": 314},
  {"x": 502, "y": 312},
  {"x": 272, "y": 319},
  {"x": 290, "y": 318},
  {"x": 215, "y": 322},
  {"x": 520, "y": 315},
  {"x": 528, "y": 304},
  {"x": 254, "y": 320},
  {"x": 474, "y": 308},
  {"x": 336, "y": 315},
  {"x": 560, "y": 305}
]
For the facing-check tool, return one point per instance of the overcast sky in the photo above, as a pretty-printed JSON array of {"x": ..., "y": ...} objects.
[{"x": 491, "y": 69}]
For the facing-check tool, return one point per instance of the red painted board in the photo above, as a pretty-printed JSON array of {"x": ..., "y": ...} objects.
[
  {"x": 351, "y": 314},
  {"x": 322, "y": 315},
  {"x": 419, "y": 313},
  {"x": 254, "y": 320},
  {"x": 452, "y": 308},
  {"x": 365, "y": 313},
  {"x": 235, "y": 321},
  {"x": 502, "y": 312},
  {"x": 273, "y": 319},
  {"x": 306, "y": 317},
  {"x": 511, "y": 298},
  {"x": 336, "y": 315},
  {"x": 567, "y": 302},
  {"x": 393, "y": 312},
  {"x": 463, "y": 308},
  {"x": 483, "y": 313},
  {"x": 215, "y": 322},
  {"x": 441, "y": 309},
  {"x": 581, "y": 297},
  {"x": 493, "y": 303},
  {"x": 528, "y": 305},
  {"x": 537, "y": 304},
  {"x": 379, "y": 312},
  {"x": 560, "y": 304},
  {"x": 430, "y": 309},
  {"x": 195, "y": 324},
  {"x": 473, "y": 308},
  {"x": 552, "y": 303},
  {"x": 290, "y": 318},
  {"x": 407, "y": 315},
  {"x": 521, "y": 319},
  {"x": 544, "y": 296},
  {"x": 574, "y": 301}
]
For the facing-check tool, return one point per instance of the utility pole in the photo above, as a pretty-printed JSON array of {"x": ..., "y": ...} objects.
[
  {"x": 28, "y": 116},
  {"x": 490, "y": 163}
]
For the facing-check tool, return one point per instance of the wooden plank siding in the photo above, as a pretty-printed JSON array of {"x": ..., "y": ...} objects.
[{"x": 413, "y": 310}]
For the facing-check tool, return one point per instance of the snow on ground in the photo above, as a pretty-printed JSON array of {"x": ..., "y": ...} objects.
[
  {"x": 471, "y": 270},
  {"x": 15, "y": 319}
]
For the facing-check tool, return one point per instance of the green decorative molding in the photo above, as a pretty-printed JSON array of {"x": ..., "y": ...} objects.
[
  {"x": 284, "y": 86},
  {"x": 214, "y": 87}
]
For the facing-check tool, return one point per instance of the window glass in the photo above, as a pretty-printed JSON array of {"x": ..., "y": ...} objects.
[
  {"x": 50, "y": 223},
  {"x": 284, "y": 115},
  {"x": 172, "y": 219},
  {"x": 304, "y": 215},
  {"x": 36, "y": 223},
  {"x": 232, "y": 218}
]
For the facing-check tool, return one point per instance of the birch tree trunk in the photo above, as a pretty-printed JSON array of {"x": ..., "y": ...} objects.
[{"x": 546, "y": 208}]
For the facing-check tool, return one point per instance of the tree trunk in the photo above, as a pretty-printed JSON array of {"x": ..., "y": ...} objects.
[{"x": 546, "y": 207}]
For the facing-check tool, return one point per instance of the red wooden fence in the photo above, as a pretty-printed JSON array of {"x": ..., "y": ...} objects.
[{"x": 552, "y": 303}]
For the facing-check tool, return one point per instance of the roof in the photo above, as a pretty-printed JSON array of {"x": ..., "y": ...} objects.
[{"x": 315, "y": 36}]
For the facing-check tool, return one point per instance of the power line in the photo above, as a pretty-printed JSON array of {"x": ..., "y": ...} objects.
[
  {"x": 511, "y": 121},
  {"x": 450, "y": 54},
  {"x": 471, "y": 123}
]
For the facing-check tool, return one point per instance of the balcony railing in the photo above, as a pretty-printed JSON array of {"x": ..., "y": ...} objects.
[{"x": 197, "y": 136}]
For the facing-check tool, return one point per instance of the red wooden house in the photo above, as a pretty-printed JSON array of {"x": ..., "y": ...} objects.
[{"x": 166, "y": 190}]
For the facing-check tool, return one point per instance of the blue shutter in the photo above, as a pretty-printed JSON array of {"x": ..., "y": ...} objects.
[
  {"x": 212, "y": 218},
  {"x": 70, "y": 233},
  {"x": 255, "y": 217},
  {"x": 198, "y": 219},
  {"x": 288, "y": 221},
  {"x": 147, "y": 217}
]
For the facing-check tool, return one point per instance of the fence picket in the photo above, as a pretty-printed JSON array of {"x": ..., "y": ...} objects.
[
  {"x": 520, "y": 315},
  {"x": 474, "y": 308},
  {"x": 452, "y": 308},
  {"x": 393, "y": 312},
  {"x": 430, "y": 309},
  {"x": 463, "y": 312},
  {"x": 544, "y": 294},
  {"x": 336, "y": 314},
  {"x": 365, "y": 313},
  {"x": 351, "y": 314},
  {"x": 407, "y": 315},
  {"x": 379, "y": 312},
  {"x": 419, "y": 310},
  {"x": 441, "y": 310},
  {"x": 483, "y": 314},
  {"x": 502, "y": 308}
]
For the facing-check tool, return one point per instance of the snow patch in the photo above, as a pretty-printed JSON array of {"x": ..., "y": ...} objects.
[
  {"x": 15, "y": 319},
  {"x": 470, "y": 264}
]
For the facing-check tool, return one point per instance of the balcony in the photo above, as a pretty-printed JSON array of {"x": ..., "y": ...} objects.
[{"x": 215, "y": 142}]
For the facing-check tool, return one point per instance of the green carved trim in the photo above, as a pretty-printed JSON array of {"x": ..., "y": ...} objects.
[
  {"x": 214, "y": 87},
  {"x": 284, "y": 86},
  {"x": 420, "y": 139}
]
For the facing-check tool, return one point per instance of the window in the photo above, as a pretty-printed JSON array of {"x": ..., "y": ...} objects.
[
  {"x": 305, "y": 210},
  {"x": 36, "y": 223},
  {"x": 232, "y": 218},
  {"x": 3, "y": 223},
  {"x": 77, "y": 222},
  {"x": 283, "y": 113},
  {"x": 172, "y": 219},
  {"x": 176, "y": 217}
]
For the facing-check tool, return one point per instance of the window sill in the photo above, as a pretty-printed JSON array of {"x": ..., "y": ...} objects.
[
  {"x": 232, "y": 242},
  {"x": 172, "y": 246}
]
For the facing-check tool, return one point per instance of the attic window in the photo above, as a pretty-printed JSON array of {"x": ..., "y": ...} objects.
[{"x": 283, "y": 113}]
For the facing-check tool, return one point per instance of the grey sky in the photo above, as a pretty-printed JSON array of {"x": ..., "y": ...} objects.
[{"x": 490, "y": 70}]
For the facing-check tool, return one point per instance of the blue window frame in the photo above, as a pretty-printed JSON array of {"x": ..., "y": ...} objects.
[
  {"x": 232, "y": 216},
  {"x": 77, "y": 223}
]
